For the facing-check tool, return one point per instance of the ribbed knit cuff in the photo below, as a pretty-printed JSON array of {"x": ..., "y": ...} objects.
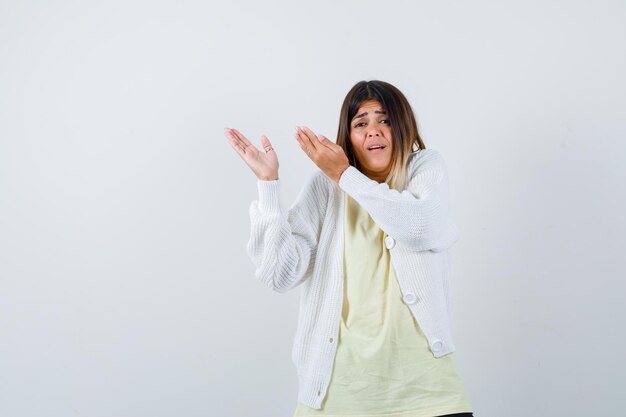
[{"x": 269, "y": 195}]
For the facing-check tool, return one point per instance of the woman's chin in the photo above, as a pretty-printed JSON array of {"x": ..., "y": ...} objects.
[
  {"x": 377, "y": 165},
  {"x": 374, "y": 169}
]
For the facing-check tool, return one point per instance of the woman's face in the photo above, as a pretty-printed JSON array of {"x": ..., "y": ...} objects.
[{"x": 372, "y": 140}]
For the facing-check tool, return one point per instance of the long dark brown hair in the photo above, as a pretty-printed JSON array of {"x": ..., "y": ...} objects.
[{"x": 406, "y": 137}]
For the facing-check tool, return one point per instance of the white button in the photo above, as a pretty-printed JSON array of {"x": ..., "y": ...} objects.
[
  {"x": 389, "y": 242},
  {"x": 437, "y": 345},
  {"x": 410, "y": 298},
  {"x": 331, "y": 340}
]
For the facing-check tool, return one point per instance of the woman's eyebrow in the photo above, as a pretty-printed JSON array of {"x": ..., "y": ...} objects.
[{"x": 358, "y": 116}]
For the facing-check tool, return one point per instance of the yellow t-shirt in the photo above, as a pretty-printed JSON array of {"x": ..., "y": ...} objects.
[{"x": 383, "y": 365}]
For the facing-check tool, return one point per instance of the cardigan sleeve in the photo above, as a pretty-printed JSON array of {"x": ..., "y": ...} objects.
[
  {"x": 282, "y": 245},
  {"x": 419, "y": 216}
]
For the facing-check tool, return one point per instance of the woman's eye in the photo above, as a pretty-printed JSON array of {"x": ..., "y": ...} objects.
[
  {"x": 359, "y": 124},
  {"x": 386, "y": 121}
]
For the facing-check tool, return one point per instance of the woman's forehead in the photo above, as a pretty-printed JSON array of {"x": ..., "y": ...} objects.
[{"x": 370, "y": 104}]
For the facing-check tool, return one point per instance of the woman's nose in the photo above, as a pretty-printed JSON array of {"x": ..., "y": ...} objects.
[{"x": 374, "y": 131}]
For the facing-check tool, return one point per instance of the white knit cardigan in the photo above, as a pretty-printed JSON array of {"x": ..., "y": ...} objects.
[{"x": 305, "y": 246}]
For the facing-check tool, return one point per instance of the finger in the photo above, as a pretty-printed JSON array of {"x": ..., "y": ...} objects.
[
  {"x": 237, "y": 146},
  {"x": 243, "y": 144},
  {"x": 303, "y": 145},
  {"x": 267, "y": 145},
  {"x": 228, "y": 133},
  {"x": 233, "y": 139},
  {"x": 328, "y": 143},
  {"x": 318, "y": 140},
  {"x": 309, "y": 137},
  {"x": 242, "y": 138},
  {"x": 300, "y": 141}
]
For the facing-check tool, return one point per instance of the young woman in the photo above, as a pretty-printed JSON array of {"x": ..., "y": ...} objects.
[{"x": 367, "y": 241}]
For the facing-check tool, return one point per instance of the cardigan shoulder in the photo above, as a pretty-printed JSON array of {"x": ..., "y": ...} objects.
[
  {"x": 314, "y": 195},
  {"x": 320, "y": 181},
  {"x": 425, "y": 159}
]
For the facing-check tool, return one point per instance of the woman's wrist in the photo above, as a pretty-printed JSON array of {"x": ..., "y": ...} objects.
[
  {"x": 341, "y": 172},
  {"x": 268, "y": 177}
]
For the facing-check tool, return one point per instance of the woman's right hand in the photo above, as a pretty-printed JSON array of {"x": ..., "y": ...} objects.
[{"x": 263, "y": 164}]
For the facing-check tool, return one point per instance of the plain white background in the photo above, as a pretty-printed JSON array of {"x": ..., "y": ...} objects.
[{"x": 125, "y": 288}]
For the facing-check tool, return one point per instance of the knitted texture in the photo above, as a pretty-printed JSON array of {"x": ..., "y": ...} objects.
[{"x": 303, "y": 247}]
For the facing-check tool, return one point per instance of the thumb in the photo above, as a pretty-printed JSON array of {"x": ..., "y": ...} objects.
[
  {"x": 326, "y": 142},
  {"x": 265, "y": 141}
]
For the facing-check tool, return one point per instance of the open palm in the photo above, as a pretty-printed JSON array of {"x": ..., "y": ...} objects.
[{"x": 263, "y": 164}]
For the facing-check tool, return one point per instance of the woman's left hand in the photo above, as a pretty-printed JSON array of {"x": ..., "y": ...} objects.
[{"x": 328, "y": 156}]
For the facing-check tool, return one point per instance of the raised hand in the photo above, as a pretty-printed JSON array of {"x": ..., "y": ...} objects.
[
  {"x": 327, "y": 155},
  {"x": 263, "y": 164}
]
